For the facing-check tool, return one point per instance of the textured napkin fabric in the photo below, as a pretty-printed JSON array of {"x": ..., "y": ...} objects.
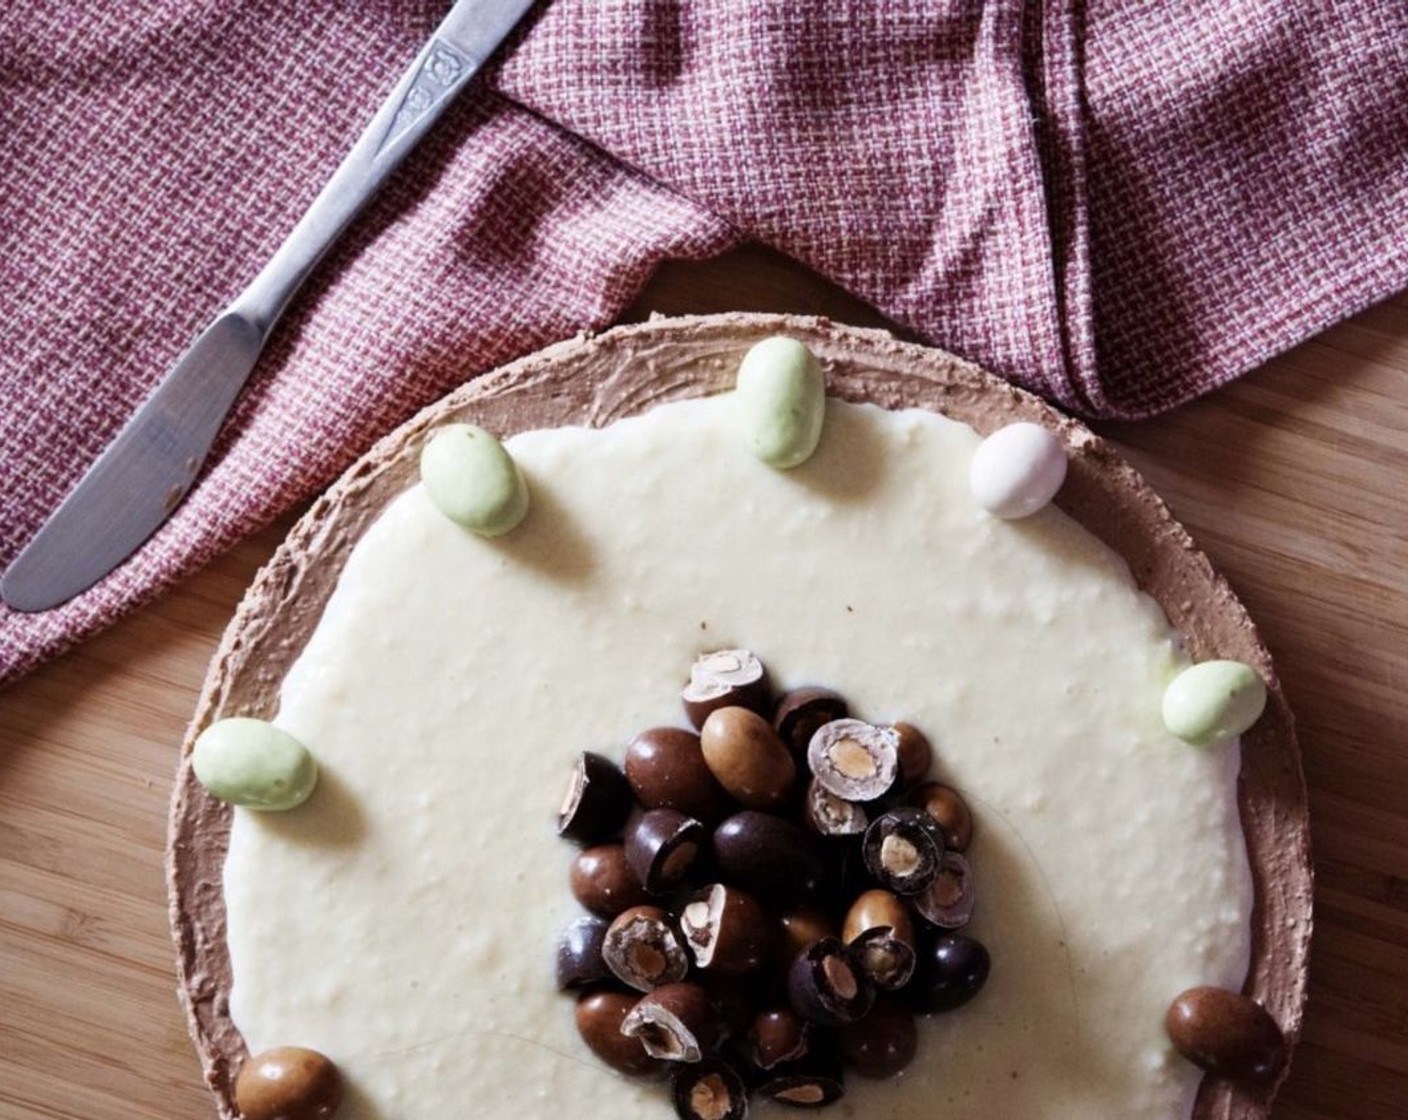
[{"x": 1119, "y": 205}]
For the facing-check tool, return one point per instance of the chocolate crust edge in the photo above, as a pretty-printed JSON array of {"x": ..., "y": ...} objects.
[{"x": 593, "y": 380}]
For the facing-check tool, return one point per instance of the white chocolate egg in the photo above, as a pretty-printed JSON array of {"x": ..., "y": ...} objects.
[{"x": 1017, "y": 470}]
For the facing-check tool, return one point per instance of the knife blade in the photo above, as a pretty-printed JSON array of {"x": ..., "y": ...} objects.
[{"x": 145, "y": 473}]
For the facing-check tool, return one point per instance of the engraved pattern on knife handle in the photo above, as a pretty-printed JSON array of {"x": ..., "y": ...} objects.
[{"x": 443, "y": 70}]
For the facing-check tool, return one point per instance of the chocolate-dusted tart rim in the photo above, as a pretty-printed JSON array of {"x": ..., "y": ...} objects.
[{"x": 594, "y": 380}]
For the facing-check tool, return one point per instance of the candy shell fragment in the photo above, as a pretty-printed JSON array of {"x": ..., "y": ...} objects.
[
  {"x": 1213, "y": 700},
  {"x": 1017, "y": 470},
  {"x": 473, "y": 480},
  {"x": 253, "y": 764},
  {"x": 781, "y": 398}
]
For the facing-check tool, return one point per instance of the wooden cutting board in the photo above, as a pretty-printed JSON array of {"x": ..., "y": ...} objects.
[{"x": 1295, "y": 480}]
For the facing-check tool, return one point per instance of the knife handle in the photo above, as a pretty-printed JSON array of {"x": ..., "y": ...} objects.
[{"x": 442, "y": 68}]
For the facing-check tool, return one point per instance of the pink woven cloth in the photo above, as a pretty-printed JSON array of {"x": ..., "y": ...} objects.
[{"x": 1119, "y": 205}]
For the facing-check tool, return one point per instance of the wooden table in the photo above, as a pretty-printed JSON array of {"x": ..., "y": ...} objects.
[{"x": 1293, "y": 479}]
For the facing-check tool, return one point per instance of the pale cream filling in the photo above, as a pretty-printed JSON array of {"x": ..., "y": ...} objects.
[{"x": 404, "y": 920}]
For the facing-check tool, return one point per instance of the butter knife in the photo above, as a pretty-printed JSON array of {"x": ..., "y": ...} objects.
[{"x": 141, "y": 478}]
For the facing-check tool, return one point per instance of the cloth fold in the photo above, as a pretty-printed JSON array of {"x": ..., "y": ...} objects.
[{"x": 1118, "y": 205}]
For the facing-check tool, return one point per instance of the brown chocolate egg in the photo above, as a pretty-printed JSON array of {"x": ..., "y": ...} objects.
[
  {"x": 666, "y": 770},
  {"x": 676, "y": 1023},
  {"x": 1227, "y": 1034},
  {"x": 777, "y": 1034},
  {"x": 916, "y": 754},
  {"x": 802, "y": 712},
  {"x": 950, "y": 813},
  {"x": 603, "y": 882},
  {"x": 883, "y": 1043},
  {"x": 747, "y": 757},
  {"x": 599, "y": 1019},
  {"x": 727, "y": 930},
  {"x": 288, "y": 1083},
  {"x": 722, "y": 678}
]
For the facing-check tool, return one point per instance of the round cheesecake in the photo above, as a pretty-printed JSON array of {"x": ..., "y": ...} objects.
[{"x": 403, "y": 920}]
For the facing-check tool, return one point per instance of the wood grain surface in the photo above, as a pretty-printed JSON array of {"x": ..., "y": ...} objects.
[{"x": 1294, "y": 479}]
